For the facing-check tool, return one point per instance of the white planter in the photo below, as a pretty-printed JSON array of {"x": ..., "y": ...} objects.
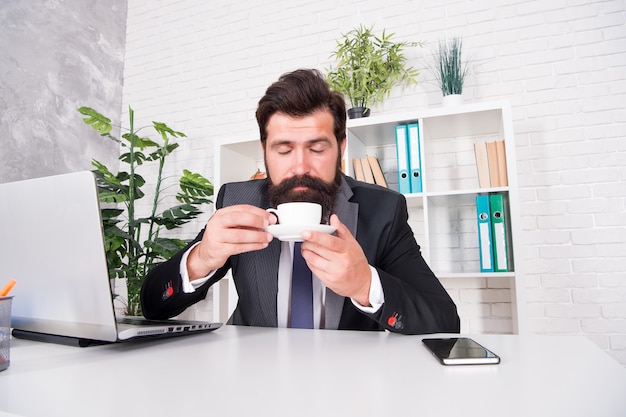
[{"x": 452, "y": 100}]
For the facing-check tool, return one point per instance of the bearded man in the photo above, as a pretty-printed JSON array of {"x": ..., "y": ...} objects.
[{"x": 368, "y": 275}]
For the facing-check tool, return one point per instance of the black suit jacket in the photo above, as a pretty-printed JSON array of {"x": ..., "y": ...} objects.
[{"x": 415, "y": 301}]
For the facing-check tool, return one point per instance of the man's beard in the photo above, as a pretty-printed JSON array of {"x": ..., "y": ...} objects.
[{"x": 317, "y": 191}]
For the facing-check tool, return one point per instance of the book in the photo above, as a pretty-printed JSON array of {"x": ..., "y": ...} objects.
[
  {"x": 499, "y": 233},
  {"x": 415, "y": 157},
  {"x": 483, "y": 217},
  {"x": 482, "y": 164},
  {"x": 367, "y": 171},
  {"x": 404, "y": 183},
  {"x": 501, "y": 157},
  {"x": 358, "y": 169},
  {"x": 377, "y": 171},
  {"x": 492, "y": 156}
]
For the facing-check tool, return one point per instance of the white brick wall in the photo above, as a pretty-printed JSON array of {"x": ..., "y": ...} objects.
[{"x": 202, "y": 66}]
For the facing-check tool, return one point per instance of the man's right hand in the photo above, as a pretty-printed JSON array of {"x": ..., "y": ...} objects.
[{"x": 230, "y": 231}]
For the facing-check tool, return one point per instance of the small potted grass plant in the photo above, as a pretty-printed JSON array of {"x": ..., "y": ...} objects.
[{"x": 451, "y": 70}]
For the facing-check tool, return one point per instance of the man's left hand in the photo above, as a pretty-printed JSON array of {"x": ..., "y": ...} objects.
[{"x": 339, "y": 262}]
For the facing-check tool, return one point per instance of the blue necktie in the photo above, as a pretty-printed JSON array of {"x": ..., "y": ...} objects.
[{"x": 301, "y": 291}]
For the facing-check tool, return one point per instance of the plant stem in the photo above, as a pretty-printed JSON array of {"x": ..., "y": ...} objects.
[
  {"x": 131, "y": 180},
  {"x": 155, "y": 203},
  {"x": 132, "y": 258}
]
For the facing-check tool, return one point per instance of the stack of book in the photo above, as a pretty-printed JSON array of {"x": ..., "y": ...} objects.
[
  {"x": 493, "y": 240},
  {"x": 491, "y": 164},
  {"x": 368, "y": 170}
]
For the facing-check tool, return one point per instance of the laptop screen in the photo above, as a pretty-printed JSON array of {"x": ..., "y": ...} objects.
[{"x": 52, "y": 245}]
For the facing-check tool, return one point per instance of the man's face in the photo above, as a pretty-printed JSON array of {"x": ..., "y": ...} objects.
[{"x": 302, "y": 158}]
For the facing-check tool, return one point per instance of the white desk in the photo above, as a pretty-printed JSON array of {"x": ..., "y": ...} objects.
[{"x": 239, "y": 371}]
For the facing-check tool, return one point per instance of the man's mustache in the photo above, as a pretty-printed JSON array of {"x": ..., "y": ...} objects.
[{"x": 303, "y": 181}]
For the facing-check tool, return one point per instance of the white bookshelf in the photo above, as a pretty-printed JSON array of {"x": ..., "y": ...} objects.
[{"x": 443, "y": 215}]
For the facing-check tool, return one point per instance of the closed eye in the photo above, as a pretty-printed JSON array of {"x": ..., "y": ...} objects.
[
  {"x": 319, "y": 146},
  {"x": 283, "y": 148}
]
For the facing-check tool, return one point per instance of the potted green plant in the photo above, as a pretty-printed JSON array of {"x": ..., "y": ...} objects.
[
  {"x": 450, "y": 70},
  {"x": 134, "y": 244},
  {"x": 368, "y": 67}
]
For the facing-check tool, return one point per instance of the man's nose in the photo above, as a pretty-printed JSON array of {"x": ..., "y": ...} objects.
[{"x": 301, "y": 163}]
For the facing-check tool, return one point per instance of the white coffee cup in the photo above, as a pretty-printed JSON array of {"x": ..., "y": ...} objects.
[{"x": 297, "y": 213}]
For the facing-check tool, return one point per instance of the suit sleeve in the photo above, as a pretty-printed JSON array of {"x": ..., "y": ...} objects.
[{"x": 415, "y": 300}]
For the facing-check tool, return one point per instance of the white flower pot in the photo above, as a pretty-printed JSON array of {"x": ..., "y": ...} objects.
[{"x": 452, "y": 100}]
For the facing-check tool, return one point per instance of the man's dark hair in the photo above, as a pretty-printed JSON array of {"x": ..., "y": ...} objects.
[{"x": 301, "y": 93}]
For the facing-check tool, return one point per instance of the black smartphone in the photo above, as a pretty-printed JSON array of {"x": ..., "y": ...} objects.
[{"x": 460, "y": 351}]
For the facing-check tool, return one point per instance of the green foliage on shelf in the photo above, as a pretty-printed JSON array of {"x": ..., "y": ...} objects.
[
  {"x": 133, "y": 245},
  {"x": 369, "y": 66}
]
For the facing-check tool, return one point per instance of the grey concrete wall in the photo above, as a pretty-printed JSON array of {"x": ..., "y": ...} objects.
[{"x": 55, "y": 56}]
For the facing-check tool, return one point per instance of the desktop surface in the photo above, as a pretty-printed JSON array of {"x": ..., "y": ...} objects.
[{"x": 265, "y": 371}]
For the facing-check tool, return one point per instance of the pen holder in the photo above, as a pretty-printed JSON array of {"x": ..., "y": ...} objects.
[{"x": 5, "y": 332}]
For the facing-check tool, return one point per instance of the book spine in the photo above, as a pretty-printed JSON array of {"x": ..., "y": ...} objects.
[
  {"x": 502, "y": 169},
  {"x": 367, "y": 171},
  {"x": 358, "y": 169},
  {"x": 492, "y": 155},
  {"x": 482, "y": 164},
  {"x": 379, "y": 177}
]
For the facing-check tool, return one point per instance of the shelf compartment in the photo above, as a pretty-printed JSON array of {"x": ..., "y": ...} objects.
[
  {"x": 453, "y": 235},
  {"x": 238, "y": 160}
]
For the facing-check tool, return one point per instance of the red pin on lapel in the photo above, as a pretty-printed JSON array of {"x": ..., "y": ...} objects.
[
  {"x": 169, "y": 291},
  {"x": 395, "y": 321}
]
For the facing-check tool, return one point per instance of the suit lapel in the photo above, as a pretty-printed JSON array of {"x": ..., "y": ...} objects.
[
  {"x": 348, "y": 214},
  {"x": 267, "y": 283}
]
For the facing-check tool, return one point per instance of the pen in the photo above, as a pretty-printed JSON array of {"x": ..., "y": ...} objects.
[{"x": 7, "y": 288}]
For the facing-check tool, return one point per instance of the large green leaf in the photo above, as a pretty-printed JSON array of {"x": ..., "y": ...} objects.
[
  {"x": 109, "y": 214},
  {"x": 164, "y": 130},
  {"x": 98, "y": 122},
  {"x": 165, "y": 248},
  {"x": 163, "y": 151},
  {"x": 139, "y": 158},
  {"x": 112, "y": 197},
  {"x": 139, "y": 142},
  {"x": 177, "y": 216},
  {"x": 194, "y": 188}
]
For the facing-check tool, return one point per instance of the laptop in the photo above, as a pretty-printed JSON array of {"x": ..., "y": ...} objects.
[{"x": 52, "y": 244}]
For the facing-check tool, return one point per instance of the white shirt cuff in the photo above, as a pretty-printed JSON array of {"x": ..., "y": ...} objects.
[
  {"x": 377, "y": 297},
  {"x": 190, "y": 286}
]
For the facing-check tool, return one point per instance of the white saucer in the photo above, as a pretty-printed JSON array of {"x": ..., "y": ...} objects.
[{"x": 287, "y": 232}]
